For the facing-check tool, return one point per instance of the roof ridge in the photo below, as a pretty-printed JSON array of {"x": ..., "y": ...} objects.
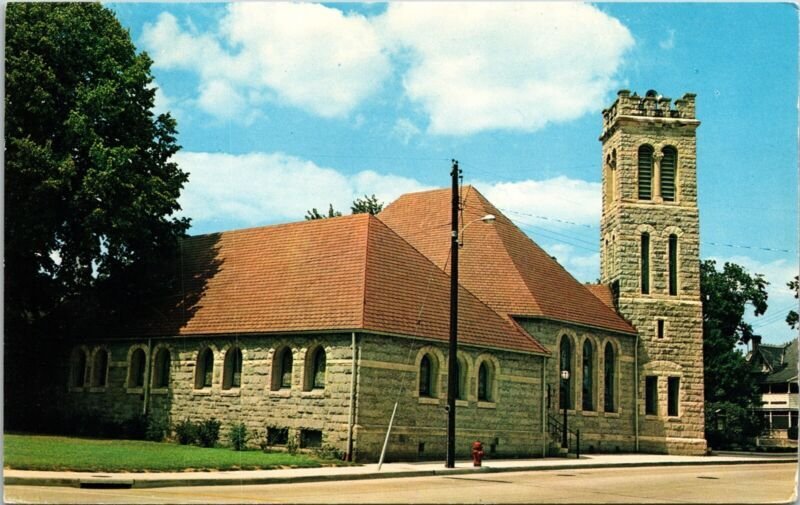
[
  {"x": 524, "y": 278},
  {"x": 505, "y": 250},
  {"x": 442, "y": 268},
  {"x": 305, "y": 222},
  {"x": 506, "y": 318},
  {"x": 364, "y": 271}
]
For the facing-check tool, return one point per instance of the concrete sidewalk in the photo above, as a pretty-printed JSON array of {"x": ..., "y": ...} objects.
[{"x": 370, "y": 471}]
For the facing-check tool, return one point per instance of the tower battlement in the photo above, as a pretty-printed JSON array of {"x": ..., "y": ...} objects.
[{"x": 651, "y": 105}]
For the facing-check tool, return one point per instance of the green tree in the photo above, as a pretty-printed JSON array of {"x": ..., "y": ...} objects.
[
  {"x": 314, "y": 213},
  {"x": 366, "y": 205},
  {"x": 90, "y": 191},
  {"x": 792, "y": 318},
  {"x": 731, "y": 390}
]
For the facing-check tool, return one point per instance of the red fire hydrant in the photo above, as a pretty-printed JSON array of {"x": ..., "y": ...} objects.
[{"x": 477, "y": 453}]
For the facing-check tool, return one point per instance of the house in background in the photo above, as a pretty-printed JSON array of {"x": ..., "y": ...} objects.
[
  {"x": 776, "y": 369},
  {"x": 313, "y": 331}
]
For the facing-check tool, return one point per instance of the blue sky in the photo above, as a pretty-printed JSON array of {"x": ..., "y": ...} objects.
[{"x": 284, "y": 107}]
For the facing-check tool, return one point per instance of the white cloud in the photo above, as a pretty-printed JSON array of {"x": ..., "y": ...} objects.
[
  {"x": 219, "y": 98},
  {"x": 306, "y": 55},
  {"x": 482, "y": 66},
  {"x": 558, "y": 199},
  {"x": 173, "y": 48},
  {"x": 469, "y": 66},
  {"x": 228, "y": 191}
]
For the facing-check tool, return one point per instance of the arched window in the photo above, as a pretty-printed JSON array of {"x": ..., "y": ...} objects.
[
  {"x": 282, "y": 369},
  {"x": 204, "y": 373},
  {"x": 565, "y": 399},
  {"x": 588, "y": 372},
  {"x": 485, "y": 382},
  {"x": 78, "y": 371},
  {"x": 461, "y": 380},
  {"x": 645, "y": 262},
  {"x": 232, "y": 369},
  {"x": 315, "y": 369},
  {"x": 608, "y": 381},
  {"x": 136, "y": 369},
  {"x": 161, "y": 368},
  {"x": 673, "y": 264},
  {"x": 669, "y": 164},
  {"x": 100, "y": 368},
  {"x": 612, "y": 169},
  {"x": 426, "y": 375},
  {"x": 645, "y": 172}
]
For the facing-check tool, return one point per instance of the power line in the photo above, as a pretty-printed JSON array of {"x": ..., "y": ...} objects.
[
  {"x": 774, "y": 318},
  {"x": 553, "y": 219},
  {"x": 737, "y": 246},
  {"x": 545, "y": 232}
]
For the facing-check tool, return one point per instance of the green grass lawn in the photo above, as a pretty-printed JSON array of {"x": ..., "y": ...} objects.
[{"x": 39, "y": 452}]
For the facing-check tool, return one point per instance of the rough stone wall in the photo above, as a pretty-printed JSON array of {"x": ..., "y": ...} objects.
[
  {"x": 509, "y": 424},
  {"x": 254, "y": 403},
  {"x": 630, "y": 123},
  {"x": 601, "y": 431},
  {"x": 387, "y": 370}
]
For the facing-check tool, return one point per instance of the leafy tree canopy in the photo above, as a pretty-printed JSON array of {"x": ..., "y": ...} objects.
[
  {"x": 314, "y": 213},
  {"x": 792, "y": 317},
  {"x": 90, "y": 191},
  {"x": 726, "y": 296},
  {"x": 366, "y": 205},
  {"x": 730, "y": 386}
]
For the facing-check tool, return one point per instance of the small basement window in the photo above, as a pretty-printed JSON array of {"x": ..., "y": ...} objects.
[
  {"x": 277, "y": 436},
  {"x": 310, "y": 438}
]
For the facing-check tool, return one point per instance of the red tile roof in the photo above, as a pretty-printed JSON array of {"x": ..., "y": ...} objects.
[
  {"x": 347, "y": 273},
  {"x": 603, "y": 293},
  {"x": 498, "y": 263}
]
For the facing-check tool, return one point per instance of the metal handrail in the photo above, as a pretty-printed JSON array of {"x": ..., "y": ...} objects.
[{"x": 556, "y": 429}]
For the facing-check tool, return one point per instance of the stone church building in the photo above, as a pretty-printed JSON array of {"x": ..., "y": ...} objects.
[{"x": 312, "y": 331}]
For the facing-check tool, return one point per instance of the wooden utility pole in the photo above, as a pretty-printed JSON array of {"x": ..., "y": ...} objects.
[{"x": 452, "y": 355}]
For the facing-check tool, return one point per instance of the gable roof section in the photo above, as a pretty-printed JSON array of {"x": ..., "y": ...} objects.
[
  {"x": 349, "y": 273},
  {"x": 291, "y": 277},
  {"x": 782, "y": 361},
  {"x": 603, "y": 293},
  {"x": 498, "y": 263},
  {"x": 406, "y": 293}
]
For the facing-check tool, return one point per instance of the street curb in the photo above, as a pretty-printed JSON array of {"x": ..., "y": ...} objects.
[{"x": 89, "y": 482}]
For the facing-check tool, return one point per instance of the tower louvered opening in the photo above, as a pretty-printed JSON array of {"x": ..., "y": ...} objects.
[
  {"x": 668, "y": 165},
  {"x": 645, "y": 172}
]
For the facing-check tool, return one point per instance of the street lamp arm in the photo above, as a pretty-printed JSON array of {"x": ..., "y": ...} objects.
[{"x": 488, "y": 218}]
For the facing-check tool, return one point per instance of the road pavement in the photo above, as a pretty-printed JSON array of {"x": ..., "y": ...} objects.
[{"x": 741, "y": 483}]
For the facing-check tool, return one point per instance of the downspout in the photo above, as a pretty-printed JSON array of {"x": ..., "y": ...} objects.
[
  {"x": 636, "y": 393},
  {"x": 351, "y": 418},
  {"x": 544, "y": 408},
  {"x": 147, "y": 367}
]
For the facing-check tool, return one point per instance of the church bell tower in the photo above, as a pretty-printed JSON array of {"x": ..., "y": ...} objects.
[{"x": 650, "y": 258}]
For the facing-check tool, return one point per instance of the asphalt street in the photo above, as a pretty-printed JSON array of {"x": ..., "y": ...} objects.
[{"x": 764, "y": 483}]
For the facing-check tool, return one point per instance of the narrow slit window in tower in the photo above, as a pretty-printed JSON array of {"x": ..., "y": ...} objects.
[
  {"x": 668, "y": 165},
  {"x": 645, "y": 260},
  {"x": 673, "y": 265},
  {"x": 645, "y": 172}
]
